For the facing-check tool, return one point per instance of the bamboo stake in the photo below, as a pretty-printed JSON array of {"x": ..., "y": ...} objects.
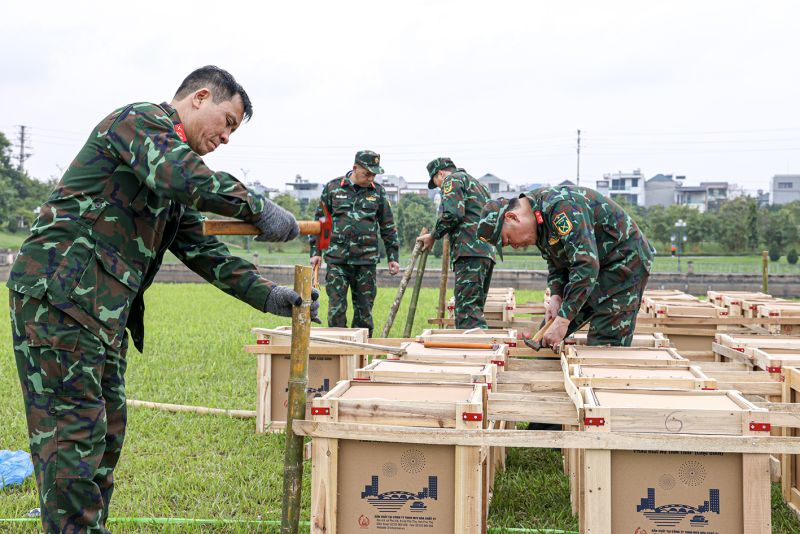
[
  {"x": 178, "y": 408},
  {"x": 343, "y": 342},
  {"x": 402, "y": 289},
  {"x": 298, "y": 380},
  {"x": 412, "y": 306},
  {"x": 445, "y": 273}
]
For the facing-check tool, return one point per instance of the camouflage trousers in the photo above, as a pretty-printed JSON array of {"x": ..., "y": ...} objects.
[
  {"x": 361, "y": 279},
  {"x": 613, "y": 321},
  {"x": 473, "y": 275},
  {"x": 74, "y": 391}
]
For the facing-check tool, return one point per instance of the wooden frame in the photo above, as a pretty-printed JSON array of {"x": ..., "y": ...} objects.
[
  {"x": 417, "y": 352},
  {"x": 422, "y": 372},
  {"x": 270, "y": 418},
  {"x": 624, "y": 377},
  {"x": 790, "y": 467},
  {"x": 784, "y": 310},
  {"x": 616, "y": 355},
  {"x": 507, "y": 336},
  {"x": 470, "y": 470},
  {"x": 595, "y": 489},
  {"x": 654, "y": 340}
]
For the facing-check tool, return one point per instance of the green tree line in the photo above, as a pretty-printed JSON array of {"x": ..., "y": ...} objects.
[{"x": 20, "y": 194}]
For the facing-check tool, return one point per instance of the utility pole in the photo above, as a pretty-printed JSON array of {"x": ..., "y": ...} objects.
[
  {"x": 23, "y": 145},
  {"x": 579, "y": 159}
]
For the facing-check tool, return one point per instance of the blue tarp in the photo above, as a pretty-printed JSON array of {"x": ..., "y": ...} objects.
[{"x": 15, "y": 467}]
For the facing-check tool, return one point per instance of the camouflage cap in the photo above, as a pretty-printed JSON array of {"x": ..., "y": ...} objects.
[
  {"x": 491, "y": 223},
  {"x": 369, "y": 160},
  {"x": 437, "y": 165}
]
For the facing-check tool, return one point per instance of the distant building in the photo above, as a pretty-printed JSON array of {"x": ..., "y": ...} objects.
[
  {"x": 660, "y": 190},
  {"x": 567, "y": 182},
  {"x": 785, "y": 188},
  {"x": 396, "y": 186},
  {"x": 706, "y": 196},
  {"x": 304, "y": 191},
  {"x": 498, "y": 187},
  {"x": 260, "y": 188},
  {"x": 627, "y": 185}
]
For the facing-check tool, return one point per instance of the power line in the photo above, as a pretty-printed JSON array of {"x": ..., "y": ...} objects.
[{"x": 22, "y": 144}]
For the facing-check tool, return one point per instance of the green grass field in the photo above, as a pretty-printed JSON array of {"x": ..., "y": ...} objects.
[{"x": 195, "y": 466}]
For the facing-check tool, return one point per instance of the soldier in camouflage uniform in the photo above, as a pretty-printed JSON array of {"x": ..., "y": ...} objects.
[
  {"x": 598, "y": 258},
  {"x": 134, "y": 191},
  {"x": 360, "y": 212},
  {"x": 463, "y": 197}
]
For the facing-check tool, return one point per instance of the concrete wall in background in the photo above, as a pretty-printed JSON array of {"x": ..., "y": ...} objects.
[{"x": 780, "y": 285}]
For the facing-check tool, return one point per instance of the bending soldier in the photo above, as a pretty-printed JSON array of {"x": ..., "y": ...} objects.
[
  {"x": 598, "y": 258},
  {"x": 134, "y": 191},
  {"x": 463, "y": 197},
  {"x": 360, "y": 212}
]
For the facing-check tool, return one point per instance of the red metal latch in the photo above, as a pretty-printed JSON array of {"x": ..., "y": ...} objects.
[
  {"x": 512, "y": 343},
  {"x": 472, "y": 416},
  {"x": 594, "y": 421},
  {"x": 360, "y": 379},
  {"x": 773, "y": 369},
  {"x": 262, "y": 342},
  {"x": 760, "y": 427},
  {"x": 740, "y": 349},
  {"x": 498, "y": 363},
  {"x": 320, "y": 411}
]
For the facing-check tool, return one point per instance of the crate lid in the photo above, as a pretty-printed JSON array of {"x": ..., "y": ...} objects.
[
  {"x": 409, "y": 392},
  {"x": 624, "y": 353},
  {"x": 635, "y": 372},
  {"x": 421, "y": 367},
  {"x": 672, "y": 400}
]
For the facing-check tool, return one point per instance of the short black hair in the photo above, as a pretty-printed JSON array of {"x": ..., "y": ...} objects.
[
  {"x": 222, "y": 84},
  {"x": 513, "y": 203}
]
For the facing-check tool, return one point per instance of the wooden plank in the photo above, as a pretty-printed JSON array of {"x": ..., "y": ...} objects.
[
  {"x": 545, "y": 439},
  {"x": 518, "y": 407}
]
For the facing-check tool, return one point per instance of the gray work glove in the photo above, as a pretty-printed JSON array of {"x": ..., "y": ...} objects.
[
  {"x": 282, "y": 298},
  {"x": 276, "y": 224}
]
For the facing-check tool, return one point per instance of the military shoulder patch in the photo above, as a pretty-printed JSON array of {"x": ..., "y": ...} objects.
[
  {"x": 553, "y": 240},
  {"x": 447, "y": 186},
  {"x": 562, "y": 223}
]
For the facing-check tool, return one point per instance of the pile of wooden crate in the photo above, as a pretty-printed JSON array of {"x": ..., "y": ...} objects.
[{"x": 728, "y": 382}]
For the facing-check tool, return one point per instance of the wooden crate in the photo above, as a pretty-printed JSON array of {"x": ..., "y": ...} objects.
[
  {"x": 790, "y": 466},
  {"x": 416, "y": 352},
  {"x": 655, "y": 340},
  {"x": 507, "y": 336},
  {"x": 324, "y": 371},
  {"x": 499, "y": 306},
  {"x": 697, "y": 309},
  {"x": 641, "y": 491},
  {"x": 433, "y": 488},
  {"x": 423, "y": 372},
  {"x": 750, "y": 304},
  {"x": 780, "y": 309},
  {"x": 733, "y": 301},
  {"x": 686, "y": 377},
  {"x": 660, "y": 357}
]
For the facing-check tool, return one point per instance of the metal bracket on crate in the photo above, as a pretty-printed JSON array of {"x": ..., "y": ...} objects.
[
  {"x": 594, "y": 421},
  {"x": 760, "y": 427},
  {"x": 359, "y": 379},
  {"x": 472, "y": 416},
  {"x": 262, "y": 342},
  {"x": 498, "y": 363},
  {"x": 315, "y": 410}
]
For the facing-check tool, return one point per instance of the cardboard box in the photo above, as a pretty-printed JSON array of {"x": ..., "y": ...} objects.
[
  {"x": 324, "y": 371},
  {"x": 381, "y": 487}
]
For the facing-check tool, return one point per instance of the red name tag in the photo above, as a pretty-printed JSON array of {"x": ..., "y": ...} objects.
[
  {"x": 180, "y": 131},
  {"x": 539, "y": 218}
]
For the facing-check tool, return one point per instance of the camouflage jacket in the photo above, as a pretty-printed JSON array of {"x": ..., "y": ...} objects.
[
  {"x": 359, "y": 214},
  {"x": 593, "y": 248},
  {"x": 134, "y": 190},
  {"x": 463, "y": 198}
]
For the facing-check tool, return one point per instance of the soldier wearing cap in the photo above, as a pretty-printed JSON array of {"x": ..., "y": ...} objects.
[
  {"x": 361, "y": 213},
  {"x": 463, "y": 197},
  {"x": 598, "y": 259}
]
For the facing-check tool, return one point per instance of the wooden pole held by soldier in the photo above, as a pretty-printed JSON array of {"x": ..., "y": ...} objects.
[
  {"x": 412, "y": 306},
  {"x": 443, "y": 279},
  {"x": 403, "y": 284},
  {"x": 298, "y": 379}
]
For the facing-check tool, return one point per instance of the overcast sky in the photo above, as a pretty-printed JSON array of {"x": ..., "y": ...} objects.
[{"x": 706, "y": 89}]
